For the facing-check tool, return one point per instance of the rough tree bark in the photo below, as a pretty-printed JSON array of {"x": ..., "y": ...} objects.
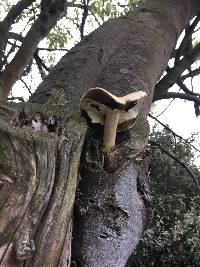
[{"x": 39, "y": 170}]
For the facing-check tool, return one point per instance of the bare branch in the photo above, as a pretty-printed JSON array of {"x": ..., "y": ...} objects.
[
  {"x": 40, "y": 64},
  {"x": 19, "y": 37},
  {"x": 186, "y": 90},
  {"x": 16, "y": 98},
  {"x": 192, "y": 73},
  {"x": 28, "y": 68},
  {"x": 197, "y": 30},
  {"x": 187, "y": 38},
  {"x": 170, "y": 130},
  {"x": 197, "y": 109},
  {"x": 15, "y": 11},
  {"x": 12, "y": 15},
  {"x": 188, "y": 97},
  {"x": 40, "y": 61},
  {"x": 82, "y": 6},
  {"x": 27, "y": 87},
  {"x": 52, "y": 49},
  {"x": 41, "y": 71},
  {"x": 174, "y": 74},
  {"x": 72, "y": 4},
  {"x": 182, "y": 164},
  {"x": 165, "y": 108},
  {"x": 15, "y": 36},
  {"x": 84, "y": 17},
  {"x": 120, "y": 5},
  {"x": 38, "y": 31},
  {"x": 12, "y": 49}
]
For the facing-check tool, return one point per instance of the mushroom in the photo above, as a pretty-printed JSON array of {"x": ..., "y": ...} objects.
[{"x": 117, "y": 114}]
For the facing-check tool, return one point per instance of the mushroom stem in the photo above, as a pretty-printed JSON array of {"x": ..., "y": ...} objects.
[{"x": 110, "y": 128}]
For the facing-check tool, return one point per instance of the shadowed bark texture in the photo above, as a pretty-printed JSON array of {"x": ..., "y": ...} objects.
[
  {"x": 123, "y": 55},
  {"x": 39, "y": 167},
  {"x": 38, "y": 174}
]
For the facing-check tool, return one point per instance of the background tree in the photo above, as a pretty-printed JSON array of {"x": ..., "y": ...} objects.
[
  {"x": 171, "y": 239},
  {"x": 41, "y": 141}
]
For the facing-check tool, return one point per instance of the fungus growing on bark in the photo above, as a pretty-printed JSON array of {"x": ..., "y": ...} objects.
[{"x": 117, "y": 114}]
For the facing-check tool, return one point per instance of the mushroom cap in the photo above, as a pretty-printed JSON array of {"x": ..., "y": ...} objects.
[{"x": 97, "y": 102}]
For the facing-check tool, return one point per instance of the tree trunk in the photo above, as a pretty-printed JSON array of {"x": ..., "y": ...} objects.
[
  {"x": 39, "y": 170},
  {"x": 38, "y": 174}
]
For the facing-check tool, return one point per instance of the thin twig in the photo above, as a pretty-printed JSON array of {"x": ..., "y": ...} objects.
[
  {"x": 38, "y": 58},
  {"x": 170, "y": 130},
  {"x": 184, "y": 96},
  {"x": 42, "y": 48},
  {"x": 182, "y": 164},
  {"x": 186, "y": 90},
  {"x": 15, "y": 98},
  {"x": 84, "y": 17},
  {"x": 188, "y": 33},
  {"x": 192, "y": 73},
  {"x": 166, "y": 108},
  {"x": 39, "y": 65},
  {"x": 52, "y": 49},
  {"x": 29, "y": 90},
  {"x": 95, "y": 17}
]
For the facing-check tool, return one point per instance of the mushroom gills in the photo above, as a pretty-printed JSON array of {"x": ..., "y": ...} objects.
[{"x": 115, "y": 113}]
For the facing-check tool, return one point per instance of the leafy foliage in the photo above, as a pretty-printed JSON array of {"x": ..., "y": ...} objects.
[
  {"x": 5, "y": 5},
  {"x": 172, "y": 239},
  {"x": 168, "y": 177},
  {"x": 58, "y": 37}
]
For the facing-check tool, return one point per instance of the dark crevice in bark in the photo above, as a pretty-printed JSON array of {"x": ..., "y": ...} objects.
[
  {"x": 5, "y": 199},
  {"x": 107, "y": 201}
]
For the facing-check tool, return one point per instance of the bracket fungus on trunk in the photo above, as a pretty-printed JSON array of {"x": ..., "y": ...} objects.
[{"x": 117, "y": 114}]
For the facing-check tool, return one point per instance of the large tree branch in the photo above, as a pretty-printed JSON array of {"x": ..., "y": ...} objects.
[
  {"x": 13, "y": 98},
  {"x": 40, "y": 61},
  {"x": 187, "y": 38},
  {"x": 15, "y": 36},
  {"x": 187, "y": 95},
  {"x": 121, "y": 59},
  {"x": 18, "y": 37},
  {"x": 168, "y": 95},
  {"x": 174, "y": 74},
  {"x": 16, "y": 11},
  {"x": 180, "y": 65},
  {"x": 10, "y": 18},
  {"x": 38, "y": 31},
  {"x": 190, "y": 74},
  {"x": 186, "y": 90},
  {"x": 84, "y": 17}
]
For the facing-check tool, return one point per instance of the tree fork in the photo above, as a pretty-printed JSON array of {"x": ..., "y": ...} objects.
[{"x": 122, "y": 56}]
